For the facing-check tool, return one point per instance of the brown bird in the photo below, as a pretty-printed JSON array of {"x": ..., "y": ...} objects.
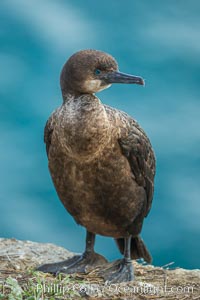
[{"x": 101, "y": 163}]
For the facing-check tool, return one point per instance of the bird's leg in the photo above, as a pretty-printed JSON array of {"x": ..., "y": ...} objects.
[
  {"x": 78, "y": 263},
  {"x": 87, "y": 261},
  {"x": 120, "y": 270}
]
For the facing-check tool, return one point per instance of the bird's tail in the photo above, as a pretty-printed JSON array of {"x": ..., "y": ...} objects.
[{"x": 138, "y": 248}]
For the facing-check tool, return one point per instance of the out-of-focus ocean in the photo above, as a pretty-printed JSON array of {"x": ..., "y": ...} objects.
[{"x": 158, "y": 40}]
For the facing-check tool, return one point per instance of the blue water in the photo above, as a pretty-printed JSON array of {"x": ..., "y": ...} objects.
[{"x": 158, "y": 40}]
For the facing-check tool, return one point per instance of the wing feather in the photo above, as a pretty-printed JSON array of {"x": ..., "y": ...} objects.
[
  {"x": 136, "y": 147},
  {"x": 48, "y": 130},
  {"x": 138, "y": 150}
]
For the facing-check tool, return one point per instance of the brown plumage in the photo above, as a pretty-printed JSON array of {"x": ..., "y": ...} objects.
[{"x": 101, "y": 161}]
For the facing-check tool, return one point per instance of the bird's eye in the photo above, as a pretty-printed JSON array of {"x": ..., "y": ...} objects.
[{"x": 97, "y": 72}]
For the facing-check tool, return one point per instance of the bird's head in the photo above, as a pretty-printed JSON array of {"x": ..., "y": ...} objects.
[{"x": 91, "y": 71}]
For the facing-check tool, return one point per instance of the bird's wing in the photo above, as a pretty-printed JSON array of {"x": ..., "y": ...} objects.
[
  {"x": 48, "y": 130},
  {"x": 137, "y": 148}
]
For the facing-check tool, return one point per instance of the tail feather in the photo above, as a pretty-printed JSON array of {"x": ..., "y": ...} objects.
[{"x": 138, "y": 248}]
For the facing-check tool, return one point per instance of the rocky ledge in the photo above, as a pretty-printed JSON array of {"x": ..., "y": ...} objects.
[{"x": 19, "y": 280}]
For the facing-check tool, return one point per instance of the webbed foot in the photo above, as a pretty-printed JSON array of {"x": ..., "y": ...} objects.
[
  {"x": 76, "y": 264},
  {"x": 118, "y": 271}
]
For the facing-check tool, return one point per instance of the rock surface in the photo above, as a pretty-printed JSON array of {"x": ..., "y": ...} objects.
[{"x": 18, "y": 278}]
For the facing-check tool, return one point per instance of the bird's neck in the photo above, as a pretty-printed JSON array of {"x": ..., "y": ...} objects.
[
  {"x": 86, "y": 125},
  {"x": 84, "y": 107}
]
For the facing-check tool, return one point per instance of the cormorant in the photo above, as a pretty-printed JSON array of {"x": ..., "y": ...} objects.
[{"x": 102, "y": 165}]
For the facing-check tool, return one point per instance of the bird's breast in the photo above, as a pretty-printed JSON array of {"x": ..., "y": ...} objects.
[{"x": 82, "y": 130}]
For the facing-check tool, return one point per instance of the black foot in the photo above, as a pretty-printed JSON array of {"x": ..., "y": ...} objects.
[
  {"x": 76, "y": 264},
  {"x": 118, "y": 271}
]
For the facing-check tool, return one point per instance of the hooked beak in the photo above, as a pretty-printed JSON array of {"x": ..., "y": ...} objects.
[{"x": 119, "y": 77}]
